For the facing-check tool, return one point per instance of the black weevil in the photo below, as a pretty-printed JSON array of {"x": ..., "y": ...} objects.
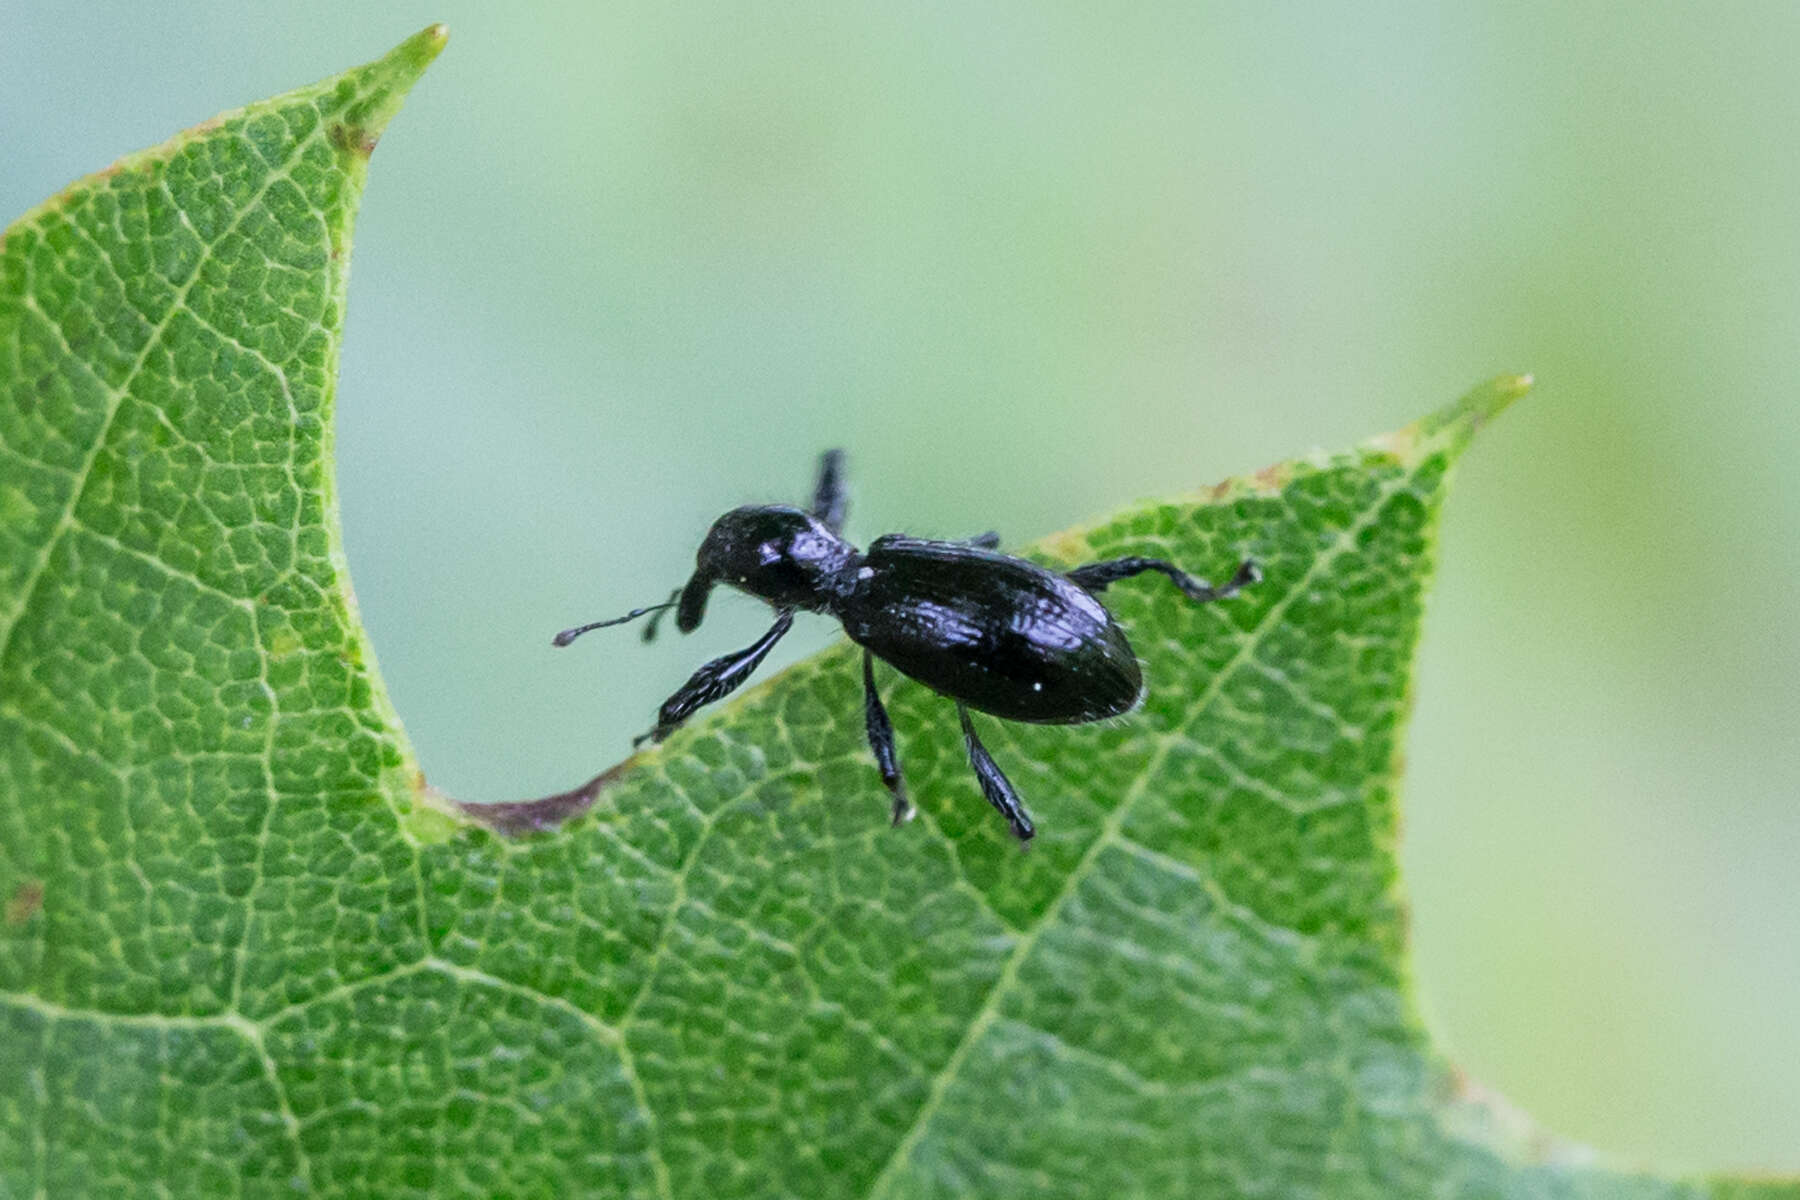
[{"x": 990, "y": 631}]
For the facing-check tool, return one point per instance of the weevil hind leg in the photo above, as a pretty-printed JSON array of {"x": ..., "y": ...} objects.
[
  {"x": 831, "y": 497},
  {"x": 994, "y": 784},
  {"x": 1097, "y": 576},
  {"x": 881, "y": 742}
]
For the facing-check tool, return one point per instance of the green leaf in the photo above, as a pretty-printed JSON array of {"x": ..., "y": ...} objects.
[{"x": 244, "y": 950}]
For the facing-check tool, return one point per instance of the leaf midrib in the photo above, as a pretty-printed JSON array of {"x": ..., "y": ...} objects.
[{"x": 1110, "y": 835}]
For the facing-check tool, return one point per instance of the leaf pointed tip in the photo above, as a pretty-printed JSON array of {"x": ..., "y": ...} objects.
[
  {"x": 385, "y": 83},
  {"x": 1451, "y": 428},
  {"x": 1459, "y": 421},
  {"x": 400, "y": 68},
  {"x": 424, "y": 45}
]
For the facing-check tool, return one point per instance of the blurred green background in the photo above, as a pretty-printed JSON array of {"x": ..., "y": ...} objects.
[{"x": 623, "y": 266}]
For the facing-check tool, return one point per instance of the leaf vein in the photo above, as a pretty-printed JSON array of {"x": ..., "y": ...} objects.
[
  {"x": 1110, "y": 1066},
  {"x": 342, "y": 990},
  {"x": 659, "y": 1169},
  {"x": 77, "y": 525},
  {"x": 69, "y": 745},
  {"x": 607, "y": 1033},
  {"x": 56, "y": 1011},
  {"x": 676, "y": 902},
  {"x": 252, "y": 1033},
  {"x": 273, "y": 797}
]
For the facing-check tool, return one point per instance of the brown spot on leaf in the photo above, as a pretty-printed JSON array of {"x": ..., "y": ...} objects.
[
  {"x": 352, "y": 139},
  {"x": 1402, "y": 444},
  {"x": 26, "y": 902},
  {"x": 517, "y": 817}
]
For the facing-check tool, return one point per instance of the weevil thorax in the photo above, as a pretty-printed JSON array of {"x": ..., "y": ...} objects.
[{"x": 775, "y": 553}]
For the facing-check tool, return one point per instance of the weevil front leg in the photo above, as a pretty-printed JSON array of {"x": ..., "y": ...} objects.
[
  {"x": 881, "y": 741},
  {"x": 657, "y": 616},
  {"x": 1095, "y": 577},
  {"x": 716, "y": 680},
  {"x": 994, "y": 784}
]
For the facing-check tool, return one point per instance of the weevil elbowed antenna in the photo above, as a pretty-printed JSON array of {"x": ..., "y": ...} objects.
[{"x": 569, "y": 635}]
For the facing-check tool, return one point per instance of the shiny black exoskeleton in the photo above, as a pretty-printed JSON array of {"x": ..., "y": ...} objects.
[{"x": 992, "y": 632}]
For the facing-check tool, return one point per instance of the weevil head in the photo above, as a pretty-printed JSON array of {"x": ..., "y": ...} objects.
[{"x": 772, "y": 552}]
